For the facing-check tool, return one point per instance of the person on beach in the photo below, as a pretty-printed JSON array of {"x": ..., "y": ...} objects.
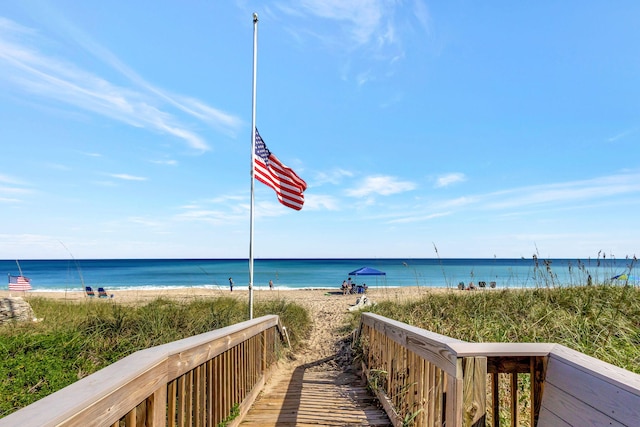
[
  {"x": 230, "y": 284},
  {"x": 345, "y": 287},
  {"x": 271, "y": 284}
]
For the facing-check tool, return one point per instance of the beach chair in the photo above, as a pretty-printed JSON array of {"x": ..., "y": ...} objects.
[
  {"x": 88, "y": 290},
  {"x": 103, "y": 294},
  {"x": 482, "y": 284}
]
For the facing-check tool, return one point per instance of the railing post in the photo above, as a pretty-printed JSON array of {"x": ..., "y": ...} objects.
[
  {"x": 474, "y": 394},
  {"x": 157, "y": 407},
  {"x": 537, "y": 373},
  {"x": 453, "y": 396},
  {"x": 264, "y": 351}
]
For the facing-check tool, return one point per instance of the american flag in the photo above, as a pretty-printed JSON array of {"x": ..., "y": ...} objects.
[
  {"x": 19, "y": 283},
  {"x": 270, "y": 171}
]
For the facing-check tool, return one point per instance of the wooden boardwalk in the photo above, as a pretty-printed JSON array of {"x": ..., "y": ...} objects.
[{"x": 316, "y": 394}]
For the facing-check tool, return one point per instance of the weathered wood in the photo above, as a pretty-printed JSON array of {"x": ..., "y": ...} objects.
[
  {"x": 182, "y": 399},
  {"x": 509, "y": 364},
  {"x": 537, "y": 374},
  {"x": 171, "y": 403},
  {"x": 499, "y": 349},
  {"x": 431, "y": 346},
  {"x": 495, "y": 398},
  {"x": 130, "y": 418},
  {"x": 143, "y": 378},
  {"x": 186, "y": 354},
  {"x": 453, "y": 400},
  {"x": 474, "y": 391},
  {"x": 603, "y": 392},
  {"x": 514, "y": 399},
  {"x": 573, "y": 411},
  {"x": 310, "y": 397},
  {"x": 156, "y": 407}
]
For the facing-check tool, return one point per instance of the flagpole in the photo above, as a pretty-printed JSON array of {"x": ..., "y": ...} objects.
[{"x": 253, "y": 155}]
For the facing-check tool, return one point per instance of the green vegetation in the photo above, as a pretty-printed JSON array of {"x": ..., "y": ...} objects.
[
  {"x": 75, "y": 340},
  {"x": 601, "y": 321}
]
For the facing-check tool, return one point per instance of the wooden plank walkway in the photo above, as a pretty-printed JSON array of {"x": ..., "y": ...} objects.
[{"x": 316, "y": 395}]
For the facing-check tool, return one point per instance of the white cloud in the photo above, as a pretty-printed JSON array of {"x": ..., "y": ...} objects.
[
  {"x": 449, "y": 179},
  {"x": 10, "y": 180},
  {"x": 127, "y": 177},
  {"x": 11, "y": 188},
  {"x": 314, "y": 202},
  {"x": 566, "y": 195},
  {"x": 334, "y": 176},
  {"x": 622, "y": 135},
  {"x": 369, "y": 35},
  {"x": 168, "y": 162},
  {"x": 382, "y": 185},
  {"x": 362, "y": 16},
  {"x": 420, "y": 218},
  {"x": 566, "y": 192}
]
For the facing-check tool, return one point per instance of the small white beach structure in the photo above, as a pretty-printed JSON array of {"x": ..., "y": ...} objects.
[{"x": 361, "y": 303}]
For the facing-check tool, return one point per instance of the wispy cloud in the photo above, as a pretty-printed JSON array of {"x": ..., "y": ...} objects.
[
  {"x": 168, "y": 162},
  {"x": 140, "y": 105},
  {"x": 419, "y": 218},
  {"x": 6, "y": 179},
  {"x": 362, "y": 17},
  {"x": 566, "y": 195},
  {"x": 622, "y": 135},
  {"x": 334, "y": 176},
  {"x": 127, "y": 177},
  {"x": 380, "y": 185},
  {"x": 449, "y": 179},
  {"x": 373, "y": 27},
  {"x": 314, "y": 202},
  {"x": 11, "y": 189}
]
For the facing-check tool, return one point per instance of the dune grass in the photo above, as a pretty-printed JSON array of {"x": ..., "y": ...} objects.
[
  {"x": 601, "y": 321},
  {"x": 75, "y": 340}
]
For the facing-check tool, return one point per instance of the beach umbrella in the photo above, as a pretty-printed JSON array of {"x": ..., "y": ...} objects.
[
  {"x": 626, "y": 277},
  {"x": 367, "y": 271}
]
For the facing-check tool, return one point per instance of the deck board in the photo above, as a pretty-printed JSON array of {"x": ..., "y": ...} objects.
[{"x": 314, "y": 397}]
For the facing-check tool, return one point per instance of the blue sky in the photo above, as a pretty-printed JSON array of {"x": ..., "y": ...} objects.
[{"x": 423, "y": 129}]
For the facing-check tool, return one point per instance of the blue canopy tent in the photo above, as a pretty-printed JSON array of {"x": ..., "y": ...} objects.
[{"x": 367, "y": 271}]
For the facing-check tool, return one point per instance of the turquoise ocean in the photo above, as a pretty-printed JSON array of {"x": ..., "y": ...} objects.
[{"x": 132, "y": 274}]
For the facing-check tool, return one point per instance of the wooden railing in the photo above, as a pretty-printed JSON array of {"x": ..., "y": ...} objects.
[
  {"x": 203, "y": 380},
  {"x": 427, "y": 379}
]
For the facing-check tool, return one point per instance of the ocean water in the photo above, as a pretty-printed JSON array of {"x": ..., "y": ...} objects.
[{"x": 128, "y": 274}]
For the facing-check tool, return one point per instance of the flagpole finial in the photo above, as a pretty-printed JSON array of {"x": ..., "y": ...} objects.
[{"x": 255, "y": 17}]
